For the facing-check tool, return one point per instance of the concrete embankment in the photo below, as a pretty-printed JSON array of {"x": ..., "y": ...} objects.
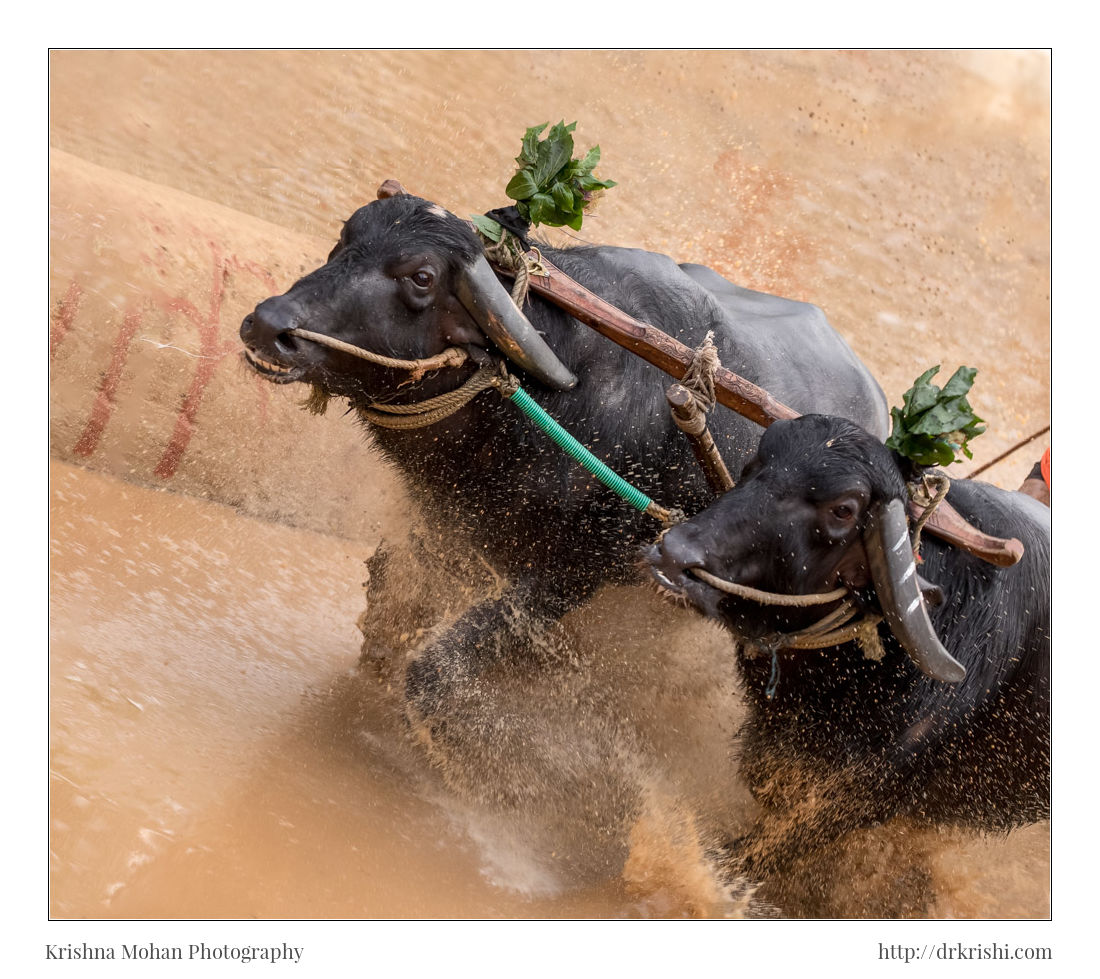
[{"x": 148, "y": 286}]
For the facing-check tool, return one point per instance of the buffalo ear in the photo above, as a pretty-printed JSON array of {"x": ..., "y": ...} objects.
[
  {"x": 391, "y": 188},
  {"x": 894, "y": 573}
]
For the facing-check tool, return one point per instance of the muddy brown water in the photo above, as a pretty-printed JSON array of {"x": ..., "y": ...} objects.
[
  {"x": 217, "y": 754},
  {"x": 214, "y": 752}
]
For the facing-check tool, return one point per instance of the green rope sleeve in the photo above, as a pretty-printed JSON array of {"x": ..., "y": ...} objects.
[{"x": 560, "y": 437}]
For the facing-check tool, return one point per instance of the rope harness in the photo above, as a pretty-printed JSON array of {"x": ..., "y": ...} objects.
[
  {"x": 421, "y": 414},
  {"x": 832, "y": 629}
]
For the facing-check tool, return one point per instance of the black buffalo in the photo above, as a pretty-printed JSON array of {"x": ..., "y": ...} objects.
[
  {"x": 408, "y": 279},
  {"x": 950, "y": 723}
]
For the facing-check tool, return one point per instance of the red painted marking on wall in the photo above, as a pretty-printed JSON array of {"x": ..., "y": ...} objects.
[
  {"x": 105, "y": 400},
  {"x": 66, "y": 313},
  {"x": 211, "y": 352}
]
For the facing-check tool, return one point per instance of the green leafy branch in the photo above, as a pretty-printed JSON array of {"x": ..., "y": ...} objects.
[
  {"x": 550, "y": 187},
  {"x": 934, "y": 425}
]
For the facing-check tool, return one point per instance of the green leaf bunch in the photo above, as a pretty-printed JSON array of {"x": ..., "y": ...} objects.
[
  {"x": 934, "y": 425},
  {"x": 550, "y": 186}
]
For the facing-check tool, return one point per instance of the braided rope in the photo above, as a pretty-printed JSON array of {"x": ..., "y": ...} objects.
[
  {"x": 929, "y": 493},
  {"x": 509, "y": 254},
  {"x": 699, "y": 377},
  {"x": 424, "y": 413},
  {"x": 451, "y": 357}
]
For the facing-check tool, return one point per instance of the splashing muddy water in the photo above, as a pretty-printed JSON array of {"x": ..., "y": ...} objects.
[
  {"x": 217, "y": 753},
  {"x": 215, "y": 749}
]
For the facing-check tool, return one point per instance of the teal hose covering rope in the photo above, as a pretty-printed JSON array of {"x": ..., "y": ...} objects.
[{"x": 560, "y": 437}]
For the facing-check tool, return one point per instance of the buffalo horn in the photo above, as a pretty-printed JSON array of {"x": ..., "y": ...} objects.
[
  {"x": 890, "y": 556},
  {"x": 488, "y": 302}
]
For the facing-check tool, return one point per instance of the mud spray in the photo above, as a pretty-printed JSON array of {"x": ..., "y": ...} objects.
[
  {"x": 191, "y": 777},
  {"x": 217, "y": 747}
]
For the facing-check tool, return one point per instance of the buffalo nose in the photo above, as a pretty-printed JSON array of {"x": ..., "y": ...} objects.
[
  {"x": 267, "y": 325},
  {"x": 683, "y": 546},
  {"x": 680, "y": 548}
]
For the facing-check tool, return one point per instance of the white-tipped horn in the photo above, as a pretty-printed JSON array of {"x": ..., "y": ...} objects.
[{"x": 898, "y": 588}]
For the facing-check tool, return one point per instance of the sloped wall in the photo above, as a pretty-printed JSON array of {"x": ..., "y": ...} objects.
[{"x": 149, "y": 286}]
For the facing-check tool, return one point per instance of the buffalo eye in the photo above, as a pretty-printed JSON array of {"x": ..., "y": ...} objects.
[
  {"x": 422, "y": 278},
  {"x": 840, "y": 515}
]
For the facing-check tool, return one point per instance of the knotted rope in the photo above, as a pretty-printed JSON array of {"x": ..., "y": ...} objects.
[
  {"x": 510, "y": 254},
  {"x": 699, "y": 377},
  {"x": 929, "y": 492}
]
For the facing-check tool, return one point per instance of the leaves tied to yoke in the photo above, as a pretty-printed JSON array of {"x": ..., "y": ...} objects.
[
  {"x": 935, "y": 424},
  {"x": 550, "y": 187}
]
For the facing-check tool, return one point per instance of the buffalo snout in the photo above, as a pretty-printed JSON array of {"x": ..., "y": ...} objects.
[
  {"x": 270, "y": 349},
  {"x": 678, "y": 550},
  {"x": 267, "y": 326},
  {"x": 671, "y": 560}
]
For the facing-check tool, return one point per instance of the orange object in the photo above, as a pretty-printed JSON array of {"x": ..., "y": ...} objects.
[{"x": 1044, "y": 465}]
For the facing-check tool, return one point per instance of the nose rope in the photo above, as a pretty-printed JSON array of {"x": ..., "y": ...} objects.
[
  {"x": 451, "y": 357},
  {"x": 768, "y": 597},
  {"x": 405, "y": 417},
  {"x": 833, "y": 629}
]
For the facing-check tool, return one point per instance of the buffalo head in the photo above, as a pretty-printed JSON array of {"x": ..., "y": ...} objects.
[
  {"x": 820, "y": 508},
  {"x": 406, "y": 280}
]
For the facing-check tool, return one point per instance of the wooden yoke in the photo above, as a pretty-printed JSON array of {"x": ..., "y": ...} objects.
[
  {"x": 949, "y": 525},
  {"x": 652, "y": 345},
  {"x": 734, "y": 392}
]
